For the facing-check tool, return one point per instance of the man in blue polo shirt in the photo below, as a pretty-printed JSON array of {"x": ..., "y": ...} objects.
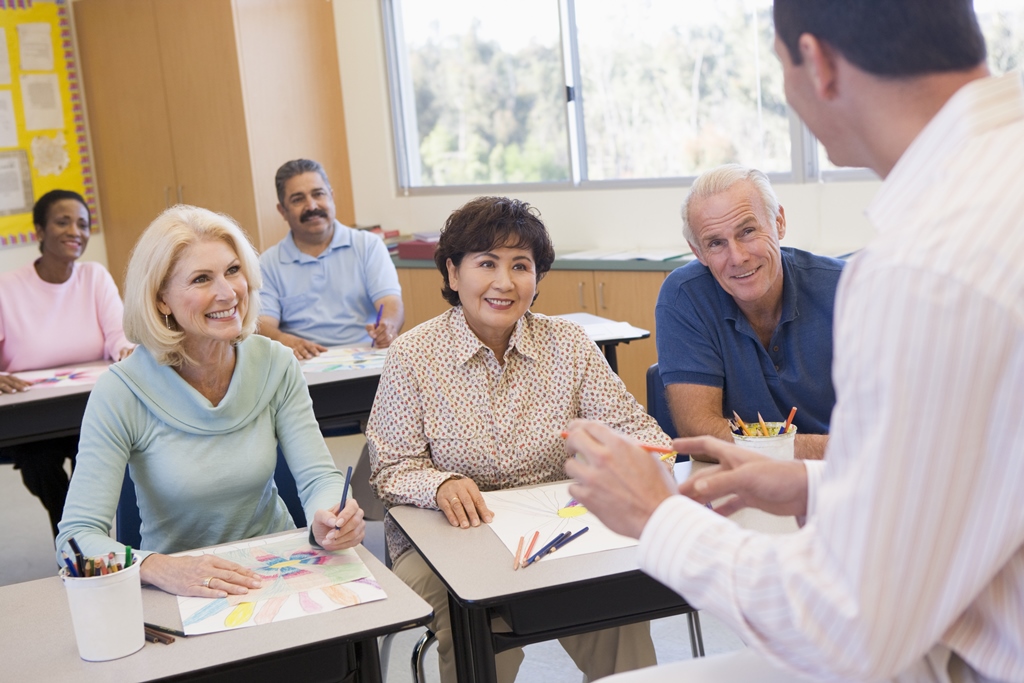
[
  {"x": 748, "y": 326},
  {"x": 324, "y": 283}
]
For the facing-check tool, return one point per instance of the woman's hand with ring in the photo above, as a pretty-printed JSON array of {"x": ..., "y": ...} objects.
[
  {"x": 203, "y": 576},
  {"x": 462, "y": 503}
]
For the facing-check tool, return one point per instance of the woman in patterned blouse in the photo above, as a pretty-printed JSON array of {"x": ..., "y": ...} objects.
[{"x": 474, "y": 399}]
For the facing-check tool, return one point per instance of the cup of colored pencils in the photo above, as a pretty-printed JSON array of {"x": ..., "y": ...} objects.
[
  {"x": 774, "y": 439},
  {"x": 105, "y": 600}
]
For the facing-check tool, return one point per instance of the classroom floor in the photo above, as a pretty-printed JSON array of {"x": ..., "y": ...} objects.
[{"x": 25, "y": 532}]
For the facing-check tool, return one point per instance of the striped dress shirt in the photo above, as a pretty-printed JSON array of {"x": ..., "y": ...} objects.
[{"x": 914, "y": 539}]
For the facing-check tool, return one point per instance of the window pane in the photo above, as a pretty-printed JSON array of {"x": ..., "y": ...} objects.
[
  {"x": 675, "y": 88},
  {"x": 489, "y": 91},
  {"x": 1002, "y": 23}
]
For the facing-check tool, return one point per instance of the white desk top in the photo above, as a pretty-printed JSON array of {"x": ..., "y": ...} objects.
[
  {"x": 42, "y": 393},
  {"x": 477, "y": 567},
  {"x": 38, "y": 641},
  {"x": 603, "y": 329}
]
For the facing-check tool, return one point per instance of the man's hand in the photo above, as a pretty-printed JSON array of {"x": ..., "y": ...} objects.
[
  {"x": 615, "y": 479},
  {"x": 302, "y": 348},
  {"x": 749, "y": 479},
  {"x": 9, "y": 384},
  {"x": 383, "y": 334}
]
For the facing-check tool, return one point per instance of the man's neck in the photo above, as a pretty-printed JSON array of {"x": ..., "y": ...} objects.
[
  {"x": 314, "y": 249},
  {"x": 765, "y": 313},
  {"x": 893, "y": 112}
]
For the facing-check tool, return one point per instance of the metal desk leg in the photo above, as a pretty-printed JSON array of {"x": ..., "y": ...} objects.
[
  {"x": 368, "y": 661},
  {"x": 611, "y": 356},
  {"x": 483, "y": 646},
  {"x": 462, "y": 645}
]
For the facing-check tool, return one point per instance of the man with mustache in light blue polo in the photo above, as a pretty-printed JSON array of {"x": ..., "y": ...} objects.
[{"x": 325, "y": 284}]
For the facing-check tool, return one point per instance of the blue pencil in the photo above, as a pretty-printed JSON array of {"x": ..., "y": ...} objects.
[
  {"x": 547, "y": 547},
  {"x": 380, "y": 312},
  {"x": 344, "y": 494}
]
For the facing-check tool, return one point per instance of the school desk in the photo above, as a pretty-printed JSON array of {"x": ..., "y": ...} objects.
[
  {"x": 39, "y": 641},
  {"x": 339, "y": 396},
  {"x": 553, "y": 598}
]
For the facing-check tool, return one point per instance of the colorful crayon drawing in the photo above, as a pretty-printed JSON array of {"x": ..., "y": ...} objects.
[
  {"x": 347, "y": 358},
  {"x": 550, "y": 510},
  {"x": 298, "y": 579},
  {"x": 61, "y": 377}
]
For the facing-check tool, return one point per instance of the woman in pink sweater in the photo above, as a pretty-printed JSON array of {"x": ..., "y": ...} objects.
[{"x": 56, "y": 312}]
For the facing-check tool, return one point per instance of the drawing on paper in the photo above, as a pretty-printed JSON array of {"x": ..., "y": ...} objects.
[
  {"x": 62, "y": 376},
  {"x": 348, "y": 358},
  {"x": 298, "y": 579},
  {"x": 549, "y": 510}
]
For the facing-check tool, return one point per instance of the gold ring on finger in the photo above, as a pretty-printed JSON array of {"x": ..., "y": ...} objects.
[
  {"x": 206, "y": 581},
  {"x": 456, "y": 499}
]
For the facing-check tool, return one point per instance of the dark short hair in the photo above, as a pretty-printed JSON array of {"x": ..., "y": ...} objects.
[
  {"x": 489, "y": 223},
  {"x": 290, "y": 169},
  {"x": 894, "y": 38},
  {"x": 41, "y": 209}
]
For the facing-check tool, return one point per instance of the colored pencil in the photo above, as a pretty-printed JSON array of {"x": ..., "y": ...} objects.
[
  {"x": 741, "y": 423},
  {"x": 576, "y": 535},
  {"x": 380, "y": 312},
  {"x": 519, "y": 550},
  {"x": 344, "y": 494},
  {"x": 529, "y": 548},
  {"x": 164, "y": 629},
  {"x": 789, "y": 421},
  {"x": 543, "y": 551},
  {"x": 764, "y": 427},
  {"x": 79, "y": 558}
]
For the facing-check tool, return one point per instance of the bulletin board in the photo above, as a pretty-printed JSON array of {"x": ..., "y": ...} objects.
[{"x": 43, "y": 138}]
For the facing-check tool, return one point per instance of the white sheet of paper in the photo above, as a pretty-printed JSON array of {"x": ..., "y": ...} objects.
[
  {"x": 600, "y": 329},
  {"x": 35, "y": 45},
  {"x": 5, "y": 59},
  {"x": 518, "y": 513},
  {"x": 40, "y": 95},
  {"x": 8, "y": 125},
  {"x": 12, "y": 191}
]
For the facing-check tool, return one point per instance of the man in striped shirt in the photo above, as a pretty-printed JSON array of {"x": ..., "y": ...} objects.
[{"x": 910, "y": 563}]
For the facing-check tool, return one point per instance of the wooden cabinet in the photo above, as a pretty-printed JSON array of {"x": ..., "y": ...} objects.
[
  {"x": 617, "y": 295},
  {"x": 421, "y": 295},
  {"x": 199, "y": 101}
]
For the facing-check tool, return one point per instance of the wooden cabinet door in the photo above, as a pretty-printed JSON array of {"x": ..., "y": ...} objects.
[
  {"x": 566, "y": 291},
  {"x": 205, "y": 108},
  {"x": 131, "y": 142},
  {"x": 631, "y": 296},
  {"x": 421, "y": 295}
]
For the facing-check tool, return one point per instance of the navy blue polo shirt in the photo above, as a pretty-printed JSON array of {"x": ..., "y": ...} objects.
[{"x": 704, "y": 338}]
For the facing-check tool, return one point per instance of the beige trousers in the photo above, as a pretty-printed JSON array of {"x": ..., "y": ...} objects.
[{"x": 597, "y": 654}]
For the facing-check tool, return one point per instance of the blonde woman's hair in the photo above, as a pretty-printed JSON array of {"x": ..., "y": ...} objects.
[{"x": 153, "y": 259}]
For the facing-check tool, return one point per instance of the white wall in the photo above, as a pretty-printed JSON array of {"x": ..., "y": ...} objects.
[{"x": 827, "y": 217}]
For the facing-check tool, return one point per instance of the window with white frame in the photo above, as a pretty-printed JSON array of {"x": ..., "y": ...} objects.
[{"x": 605, "y": 91}]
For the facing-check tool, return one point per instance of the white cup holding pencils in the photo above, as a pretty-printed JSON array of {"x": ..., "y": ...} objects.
[
  {"x": 778, "y": 447},
  {"x": 106, "y": 612}
]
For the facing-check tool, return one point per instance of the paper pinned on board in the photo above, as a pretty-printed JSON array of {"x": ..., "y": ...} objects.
[
  {"x": 40, "y": 96},
  {"x": 35, "y": 47}
]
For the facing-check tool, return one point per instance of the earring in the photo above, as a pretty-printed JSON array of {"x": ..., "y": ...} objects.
[{"x": 166, "y": 321}]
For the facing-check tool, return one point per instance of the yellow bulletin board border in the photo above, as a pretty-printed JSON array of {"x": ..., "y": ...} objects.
[{"x": 77, "y": 174}]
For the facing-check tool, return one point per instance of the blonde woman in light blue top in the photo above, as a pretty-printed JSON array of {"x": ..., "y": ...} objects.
[{"x": 197, "y": 414}]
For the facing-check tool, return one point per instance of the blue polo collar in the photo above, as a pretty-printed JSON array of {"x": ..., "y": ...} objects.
[{"x": 290, "y": 252}]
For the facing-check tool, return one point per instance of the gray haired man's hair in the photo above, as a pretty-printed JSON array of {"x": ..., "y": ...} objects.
[
  {"x": 290, "y": 169},
  {"x": 717, "y": 181}
]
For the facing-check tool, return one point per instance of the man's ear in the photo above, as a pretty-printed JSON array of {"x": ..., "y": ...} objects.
[
  {"x": 820, "y": 61},
  {"x": 696, "y": 251},
  {"x": 284, "y": 214},
  {"x": 780, "y": 223}
]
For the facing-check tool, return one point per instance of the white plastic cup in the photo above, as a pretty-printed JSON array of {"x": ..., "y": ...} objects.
[
  {"x": 106, "y": 612},
  {"x": 777, "y": 447}
]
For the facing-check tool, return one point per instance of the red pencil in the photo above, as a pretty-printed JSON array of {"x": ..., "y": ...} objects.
[
  {"x": 789, "y": 421},
  {"x": 529, "y": 548}
]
